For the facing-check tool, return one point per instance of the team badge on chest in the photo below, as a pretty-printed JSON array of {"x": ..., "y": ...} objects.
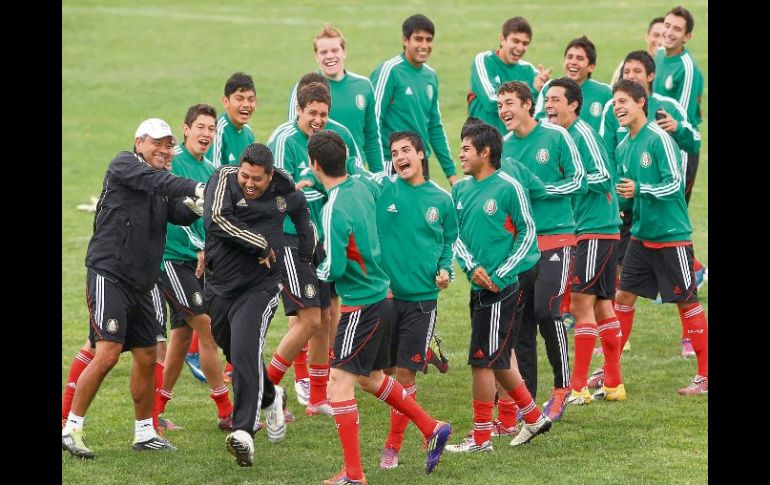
[
  {"x": 543, "y": 156},
  {"x": 646, "y": 160},
  {"x": 360, "y": 101},
  {"x": 431, "y": 215},
  {"x": 490, "y": 207},
  {"x": 596, "y": 108},
  {"x": 281, "y": 203}
]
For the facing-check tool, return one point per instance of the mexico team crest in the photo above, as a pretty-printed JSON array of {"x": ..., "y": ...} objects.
[
  {"x": 543, "y": 156},
  {"x": 646, "y": 160},
  {"x": 309, "y": 291},
  {"x": 429, "y": 90},
  {"x": 490, "y": 206},
  {"x": 360, "y": 101},
  {"x": 281, "y": 203},
  {"x": 596, "y": 108},
  {"x": 431, "y": 215},
  {"x": 197, "y": 298},
  {"x": 112, "y": 325},
  {"x": 669, "y": 82}
]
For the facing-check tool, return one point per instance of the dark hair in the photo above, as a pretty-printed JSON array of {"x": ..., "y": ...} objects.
[
  {"x": 483, "y": 135},
  {"x": 258, "y": 154},
  {"x": 584, "y": 43},
  {"x": 471, "y": 120},
  {"x": 416, "y": 23},
  {"x": 313, "y": 92},
  {"x": 521, "y": 90},
  {"x": 644, "y": 58},
  {"x": 240, "y": 81},
  {"x": 516, "y": 24},
  {"x": 656, "y": 20},
  {"x": 312, "y": 77},
  {"x": 196, "y": 110},
  {"x": 416, "y": 142},
  {"x": 680, "y": 11},
  {"x": 633, "y": 89},
  {"x": 571, "y": 91},
  {"x": 328, "y": 149}
]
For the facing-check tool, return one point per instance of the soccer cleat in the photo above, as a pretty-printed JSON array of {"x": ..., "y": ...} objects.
[
  {"x": 167, "y": 424},
  {"x": 193, "y": 361},
  {"x": 241, "y": 445},
  {"x": 568, "y": 320},
  {"x": 388, "y": 458},
  {"x": 701, "y": 276},
  {"x": 341, "y": 479},
  {"x": 73, "y": 442},
  {"x": 529, "y": 431},
  {"x": 156, "y": 443},
  {"x": 323, "y": 408},
  {"x": 699, "y": 385},
  {"x": 687, "y": 350},
  {"x": 610, "y": 393},
  {"x": 499, "y": 430},
  {"x": 554, "y": 407},
  {"x": 468, "y": 445},
  {"x": 435, "y": 356},
  {"x": 436, "y": 444},
  {"x": 596, "y": 380},
  {"x": 274, "y": 418},
  {"x": 226, "y": 424},
  {"x": 302, "y": 388},
  {"x": 580, "y": 397}
]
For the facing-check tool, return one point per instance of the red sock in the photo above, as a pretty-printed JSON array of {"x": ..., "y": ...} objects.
[
  {"x": 696, "y": 264},
  {"x": 277, "y": 368},
  {"x": 609, "y": 331},
  {"x": 222, "y": 400},
  {"x": 346, "y": 417},
  {"x": 399, "y": 422},
  {"x": 158, "y": 389},
  {"x": 506, "y": 412},
  {"x": 625, "y": 316},
  {"x": 319, "y": 376},
  {"x": 482, "y": 421},
  {"x": 694, "y": 320},
  {"x": 78, "y": 365},
  {"x": 394, "y": 394},
  {"x": 524, "y": 401},
  {"x": 585, "y": 339},
  {"x": 300, "y": 365},
  {"x": 194, "y": 344},
  {"x": 161, "y": 399}
]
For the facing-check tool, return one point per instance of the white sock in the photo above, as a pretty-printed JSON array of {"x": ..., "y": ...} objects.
[
  {"x": 73, "y": 422},
  {"x": 143, "y": 430}
]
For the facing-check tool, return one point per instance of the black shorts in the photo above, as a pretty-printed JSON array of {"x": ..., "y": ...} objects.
[
  {"x": 491, "y": 326},
  {"x": 669, "y": 270},
  {"x": 183, "y": 291},
  {"x": 362, "y": 342},
  {"x": 118, "y": 313},
  {"x": 301, "y": 288},
  {"x": 412, "y": 324},
  {"x": 594, "y": 268},
  {"x": 625, "y": 234}
]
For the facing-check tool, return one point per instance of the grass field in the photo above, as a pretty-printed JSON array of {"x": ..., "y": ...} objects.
[{"x": 123, "y": 62}]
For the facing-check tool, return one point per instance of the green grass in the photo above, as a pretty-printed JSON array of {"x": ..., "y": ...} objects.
[{"x": 124, "y": 62}]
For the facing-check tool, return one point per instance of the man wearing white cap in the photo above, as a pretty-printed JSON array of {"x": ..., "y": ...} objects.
[{"x": 139, "y": 197}]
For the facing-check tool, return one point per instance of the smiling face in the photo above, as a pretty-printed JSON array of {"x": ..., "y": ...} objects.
[
  {"x": 558, "y": 109},
  {"x": 199, "y": 135},
  {"x": 253, "y": 180},
  {"x": 240, "y": 106},
  {"x": 635, "y": 71},
  {"x": 330, "y": 57},
  {"x": 654, "y": 37},
  {"x": 407, "y": 161},
  {"x": 513, "y": 47},
  {"x": 471, "y": 160},
  {"x": 157, "y": 152},
  {"x": 674, "y": 36},
  {"x": 511, "y": 110},
  {"x": 313, "y": 117},
  {"x": 576, "y": 64},
  {"x": 630, "y": 113},
  {"x": 417, "y": 47}
]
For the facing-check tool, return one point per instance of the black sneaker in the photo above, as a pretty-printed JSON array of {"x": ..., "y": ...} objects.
[{"x": 155, "y": 443}]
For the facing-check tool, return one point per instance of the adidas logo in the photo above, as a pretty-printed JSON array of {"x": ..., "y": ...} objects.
[
  {"x": 497, "y": 79},
  {"x": 460, "y": 205},
  {"x": 231, "y": 157},
  {"x": 555, "y": 257},
  {"x": 479, "y": 354},
  {"x": 242, "y": 203},
  {"x": 408, "y": 90},
  {"x": 392, "y": 208},
  {"x": 416, "y": 358},
  {"x": 576, "y": 280}
]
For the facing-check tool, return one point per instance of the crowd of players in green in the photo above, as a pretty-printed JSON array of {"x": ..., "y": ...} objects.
[{"x": 573, "y": 187}]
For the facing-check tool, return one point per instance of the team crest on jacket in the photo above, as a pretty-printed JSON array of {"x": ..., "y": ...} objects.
[
  {"x": 431, "y": 215},
  {"x": 309, "y": 291},
  {"x": 429, "y": 90},
  {"x": 281, "y": 203},
  {"x": 490, "y": 206},
  {"x": 197, "y": 298},
  {"x": 646, "y": 160},
  {"x": 112, "y": 325},
  {"x": 360, "y": 101},
  {"x": 596, "y": 108},
  {"x": 543, "y": 156},
  {"x": 669, "y": 82}
]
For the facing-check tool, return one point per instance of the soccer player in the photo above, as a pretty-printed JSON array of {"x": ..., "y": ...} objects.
[
  {"x": 549, "y": 153},
  {"x": 244, "y": 216},
  {"x": 492, "y": 68},
  {"x": 353, "y": 261},
  {"x": 406, "y": 94},
  {"x": 416, "y": 213},
  {"x": 497, "y": 241},
  {"x": 138, "y": 198},
  {"x": 579, "y": 64},
  {"x": 653, "y": 39},
  {"x": 182, "y": 273},
  {"x": 233, "y": 132},
  {"x": 596, "y": 226},
  {"x": 352, "y": 95},
  {"x": 659, "y": 257}
]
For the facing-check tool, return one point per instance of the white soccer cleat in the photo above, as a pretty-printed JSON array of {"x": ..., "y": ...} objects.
[{"x": 274, "y": 418}]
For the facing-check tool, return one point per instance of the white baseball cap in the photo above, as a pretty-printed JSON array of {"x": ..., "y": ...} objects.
[{"x": 155, "y": 128}]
